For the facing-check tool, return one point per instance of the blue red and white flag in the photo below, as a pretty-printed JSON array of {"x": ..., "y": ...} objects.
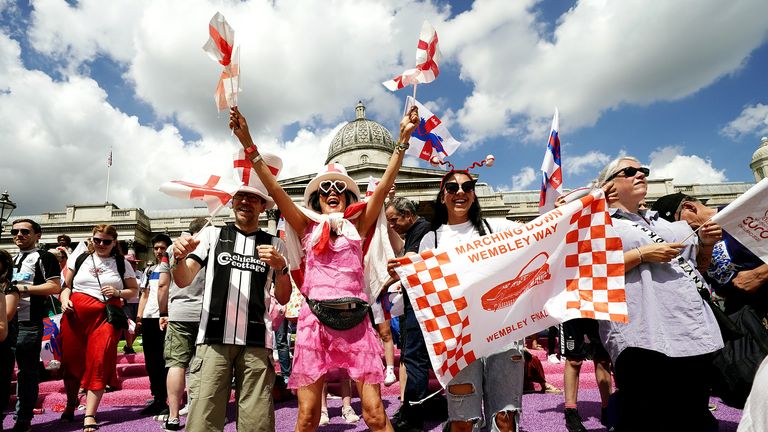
[
  {"x": 431, "y": 137},
  {"x": 746, "y": 219},
  {"x": 427, "y": 57},
  {"x": 551, "y": 169}
]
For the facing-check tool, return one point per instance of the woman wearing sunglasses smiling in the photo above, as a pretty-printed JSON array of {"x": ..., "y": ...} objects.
[
  {"x": 475, "y": 395},
  {"x": 331, "y": 240},
  {"x": 671, "y": 332},
  {"x": 89, "y": 342}
]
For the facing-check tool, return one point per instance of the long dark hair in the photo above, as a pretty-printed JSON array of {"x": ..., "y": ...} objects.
[
  {"x": 314, "y": 199},
  {"x": 7, "y": 262},
  {"x": 440, "y": 217}
]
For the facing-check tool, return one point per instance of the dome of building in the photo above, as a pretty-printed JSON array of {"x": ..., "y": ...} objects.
[
  {"x": 759, "y": 163},
  {"x": 361, "y": 141}
]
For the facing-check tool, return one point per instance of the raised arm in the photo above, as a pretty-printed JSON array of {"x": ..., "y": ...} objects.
[
  {"x": 368, "y": 218},
  {"x": 293, "y": 215}
]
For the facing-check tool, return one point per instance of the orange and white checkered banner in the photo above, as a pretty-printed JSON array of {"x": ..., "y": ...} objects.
[{"x": 476, "y": 298}]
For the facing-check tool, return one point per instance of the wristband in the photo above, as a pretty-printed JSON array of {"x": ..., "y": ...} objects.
[
  {"x": 163, "y": 314},
  {"x": 256, "y": 159},
  {"x": 402, "y": 146},
  {"x": 641, "y": 255},
  {"x": 250, "y": 149}
]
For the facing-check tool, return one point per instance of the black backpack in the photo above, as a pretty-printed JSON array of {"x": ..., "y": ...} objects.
[{"x": 736, "y": 364}]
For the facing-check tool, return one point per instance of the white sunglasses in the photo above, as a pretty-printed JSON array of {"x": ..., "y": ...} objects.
[{"x": 339, "y": 185}]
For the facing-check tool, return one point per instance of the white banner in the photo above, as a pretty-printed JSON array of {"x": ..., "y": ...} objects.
[
  {"x": 746, "y": 219},
  {"x": 476, "y": 298}
]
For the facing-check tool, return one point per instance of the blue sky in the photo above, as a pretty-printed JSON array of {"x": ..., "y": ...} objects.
[{"x": 681, "y": 85}]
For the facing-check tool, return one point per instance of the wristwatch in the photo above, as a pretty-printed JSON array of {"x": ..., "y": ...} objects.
[
  {"x": 284, "y": 271},
  {"x": 402, "y": 146}
]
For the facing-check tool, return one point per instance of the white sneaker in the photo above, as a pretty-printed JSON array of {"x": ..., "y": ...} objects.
[
  {"x": 324, "y": 419},
  {"x": 390, "y": 378},
  {"x": 553, "y": 359},
  {"x": 184, "y": 410},
  {"x": 348, "y": 414}
]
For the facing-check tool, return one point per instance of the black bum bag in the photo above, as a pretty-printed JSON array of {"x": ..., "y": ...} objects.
[{"x": 339, "y": 314}]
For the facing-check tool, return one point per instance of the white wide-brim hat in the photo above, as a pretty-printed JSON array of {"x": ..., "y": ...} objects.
[
  {"x": 249, "y": 180},
  {"x": 331, "y": 171}
]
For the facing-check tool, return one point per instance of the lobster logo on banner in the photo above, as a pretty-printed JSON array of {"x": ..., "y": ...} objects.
[{"x": 505, "y": 295}]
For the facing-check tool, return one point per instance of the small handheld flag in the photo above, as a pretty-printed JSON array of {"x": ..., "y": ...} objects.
[
  {"x": 427, "y": 57},
  {"x": 430, "y": 138},
  {"x": 551, "y": 169}
]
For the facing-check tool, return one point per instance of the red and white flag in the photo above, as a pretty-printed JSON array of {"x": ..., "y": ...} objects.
[
  {"x": 372, "y": 183},
  {"x": 746, "y": 219},
  {"x": 551, "y": 169},
  {"x": 476, "y": 298},
  {"x": 431, "y": 137},
  {"x": 427, "y": 57},
  {"x": 215, "y": 191},
  {"x": 228, "y": 86},
  {"x": 221, "y": 42},
  {"x": 221, "y": 48}
]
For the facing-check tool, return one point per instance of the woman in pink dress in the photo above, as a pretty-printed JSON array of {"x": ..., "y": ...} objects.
[{"x": 333, "y": 270}]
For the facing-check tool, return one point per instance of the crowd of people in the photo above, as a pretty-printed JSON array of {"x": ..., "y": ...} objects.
[{"x": 210, "y": 313}]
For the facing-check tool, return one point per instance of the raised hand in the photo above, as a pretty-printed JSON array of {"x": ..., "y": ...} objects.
[
  {"x": 183, "y": 246},
  {"x": 408, "y": 123}
]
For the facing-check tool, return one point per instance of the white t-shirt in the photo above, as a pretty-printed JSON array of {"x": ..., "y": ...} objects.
[
  {"x": 450, "y": 234},
  {"x": 85, "y": 280},
  {"x": 152, "y": 307}
]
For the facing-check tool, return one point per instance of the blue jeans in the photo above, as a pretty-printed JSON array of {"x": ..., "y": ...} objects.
[
  {"x": 27, "y": 353},
  {"x": 283, "y": 346}
]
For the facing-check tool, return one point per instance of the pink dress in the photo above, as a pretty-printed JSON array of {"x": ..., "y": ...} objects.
[{"x": 333, "y": 274}]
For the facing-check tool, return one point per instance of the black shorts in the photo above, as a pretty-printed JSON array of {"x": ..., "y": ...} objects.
[{"x": 580, "y": 339}]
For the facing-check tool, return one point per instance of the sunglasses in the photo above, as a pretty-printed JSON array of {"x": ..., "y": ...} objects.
[
  {"x": 101, "y": 241},
  {"x": 453, "y": 187},
  {"x": 244, "y": 197},
  {"x": 338, "y": 185},
  {"x": 629, "y": 172},
  {"x": 22, "y": 231}
]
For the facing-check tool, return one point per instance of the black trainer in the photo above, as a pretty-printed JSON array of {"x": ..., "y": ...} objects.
[
  {"x": 573, "y": 421},
  {"x": 173, "y": 424}
]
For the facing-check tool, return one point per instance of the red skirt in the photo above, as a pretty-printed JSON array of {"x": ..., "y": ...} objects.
[{"x": 89, "y": 343}]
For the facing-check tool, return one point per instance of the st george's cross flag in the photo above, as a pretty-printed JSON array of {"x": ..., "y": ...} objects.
[
  {"x": 229, "y": 84},
  {"x": 476, "y": 298},
  {"x": 551, "y": 169},
  {"x": 431, "y": 137},
  {"x": 746, "y": 219},
  {"x": 427, "y": 58},
  {"x": 221, "y": 48},
  {"x": 215, "y": 191}
]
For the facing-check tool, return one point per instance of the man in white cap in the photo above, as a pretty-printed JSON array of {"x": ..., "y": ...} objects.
[{"x": 235, "y": 332}]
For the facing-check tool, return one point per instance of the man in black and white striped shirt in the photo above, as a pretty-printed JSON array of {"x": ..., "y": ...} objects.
[{"x": 241, "y": 263}]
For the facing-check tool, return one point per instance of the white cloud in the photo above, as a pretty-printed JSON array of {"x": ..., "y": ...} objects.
[
  {"x": 524, "y": 179},
  {"x": 753, "y": 120},
  {"x": 603, "y": 54},
  {"x": 669, "y": 162},
  {"x": 593, "y": 161}
]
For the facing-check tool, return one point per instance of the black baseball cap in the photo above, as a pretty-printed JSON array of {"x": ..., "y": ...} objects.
[{"x": 668, "y": 204}]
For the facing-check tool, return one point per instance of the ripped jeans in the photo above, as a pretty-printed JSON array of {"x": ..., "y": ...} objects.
[{"x": 497, "y": 383}]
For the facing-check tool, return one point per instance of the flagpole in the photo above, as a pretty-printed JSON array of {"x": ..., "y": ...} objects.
[
  {"x": 109, "y": 166},
  {"x": 414, "y": 90}
]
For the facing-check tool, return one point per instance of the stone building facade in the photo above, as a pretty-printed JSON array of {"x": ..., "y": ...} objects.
[{"x": 364, "y": 147}]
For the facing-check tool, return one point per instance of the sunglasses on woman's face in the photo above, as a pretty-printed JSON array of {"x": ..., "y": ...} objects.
[
  {"x": 22, "y": 231},
  {"x": 629, "y": 172},
  {"x": 338, "y": 185},
  {"x": 101, "y": 241},
  {"x": 453, "y": 187}
]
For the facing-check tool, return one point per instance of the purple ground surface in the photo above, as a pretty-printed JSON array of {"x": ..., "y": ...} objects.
[{"x": 541, "y": 413}]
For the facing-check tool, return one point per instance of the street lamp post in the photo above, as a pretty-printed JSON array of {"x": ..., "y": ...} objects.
[{"x": 6, "y": 208}]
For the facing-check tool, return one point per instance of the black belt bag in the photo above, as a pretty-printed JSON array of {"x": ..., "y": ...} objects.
[{"x": 339, "y": 314}]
